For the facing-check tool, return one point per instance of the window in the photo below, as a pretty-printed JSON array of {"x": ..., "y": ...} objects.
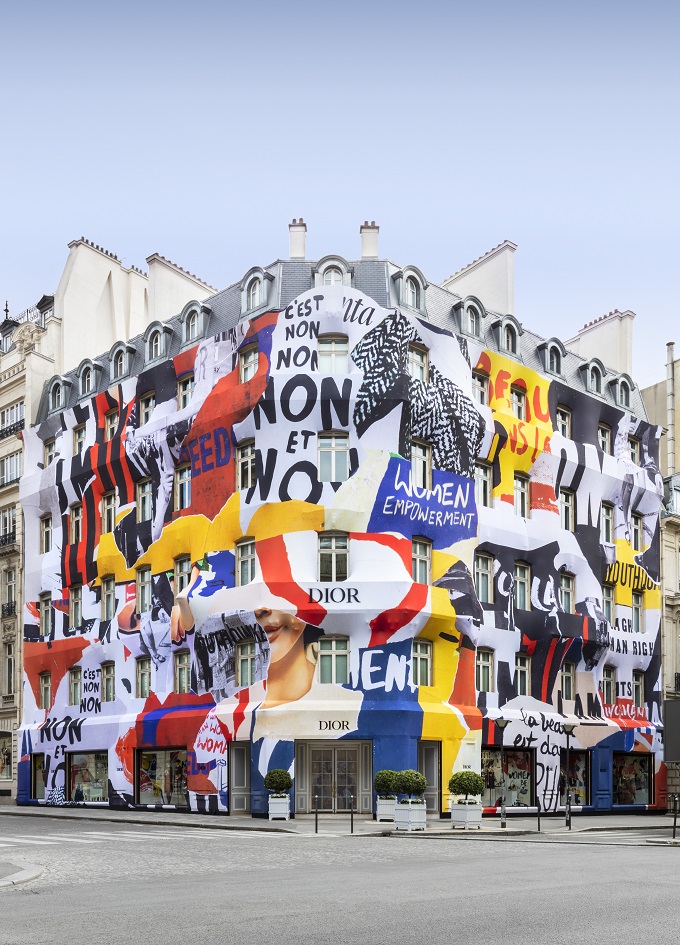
[
  {"x": 421, "y": 554},
  {"x": 75, "y": 606},
  {"x": 634, "y": 447},
  {"x": 182, "y": 487},
  {"x": 518, "y": 402},
  {"x": 421, "y": 465},
  {"x": 638, "y": 688},
  {"x": 143, "y": 678},
  {"x": 636, "y": 522},
  {"x": 484, "y": 671},
  {"x": 608, "y": 685},
  {"x": 78, "y": 439},
  {"x": 76, "y": 523},
  {"x": 638, "y": 626},
  {"x": 595, "y": 380},
  {"x": 144, "y": 501},
  {"x": 254, "y": 293},
  {"x": 110, "y": 425},
  {"x": 10, "y": 468},
  {"x": 480, "y": 387},
  {"x": 567, "y": 592},
  {"x": 143, "y": 590},
  {"x": 522, "y": 586},
  {"x": 108, "y": 682},
  {"x": 8, "y": 523},
  {"x": 510, "y": 339},
  {"x": 185, "y": 389},
  {"x": 568, "y": 680},
  {"x": 118, "y": 364},
  {"x": 86, "y": 382},
  {"x": 182, "y": 574},
  {"x": 418, "y": 363},
  {"x": 334, "y": 660},
  {"x": 191, "y": 327},
  {"x": 75, "y": 678},
  {"x": 608, "y": 602},
  {"x": 567, "y": 509},
  {"x": 12, "y": 417},
  {"x": 563, "y": 417},
  {"x": 521, "y": 502},
  {"x": 56, "y": 398},
  {"x": 333, "y": 355},
  {"x": 245, "y": 562},
  {"x": 412, "y": 292},
  {"x": 333, "y": 457},
  {"x": 154, "y": 345},
  {"x": 245, "y": 663},
  {"x": 245, "y": 465},
  {"x": 10, "y": 588},
  {"x": 607, "y": 524},
  {"x": 604, "y": 437},
  {"x": 108, "y": 597},
  {"x": 45, "y": 616},
  {"x": 9, "y": 669},
  {"x": 624, "y": 394},
  {"x": 333, "y": 557},
  {"x": 332, "y": 276},
  {"x": 182, "y": 671},
  {"x": 483, "y": 485},
  {"x": 45, "y": 690},
  {"x": 48, "y": 452},
  {"x": 146, "y": 407},
  {"x": 247, "y": 363},
  {"x": 522, "y": 675},
  {"x": 554, "y": 360},
  {"x": 108, "y": 512},
  {"x": 421, "y": 663},
  {"x": 484, "y": 578},
  {"x": 473, "y": 321}
]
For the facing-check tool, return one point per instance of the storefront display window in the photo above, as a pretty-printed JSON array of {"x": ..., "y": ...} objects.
[
  {"x": 632, "y": 779},
  {"x": 162, "y": 777},
  {"x": 38, "y": 777},
  {"x": 5, "y": 756},
  {"x": 89, "y": 776},
  {"x": 577, "y": 777},
  {"x": 515, "y": 781}
]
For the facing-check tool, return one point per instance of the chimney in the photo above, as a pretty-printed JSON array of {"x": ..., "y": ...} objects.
[
  {"x": 369, "y": 240},
  {"x": 298, "y": 234}
]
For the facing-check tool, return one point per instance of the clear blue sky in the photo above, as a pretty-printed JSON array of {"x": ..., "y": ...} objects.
[{"x": 198, "y": 130}]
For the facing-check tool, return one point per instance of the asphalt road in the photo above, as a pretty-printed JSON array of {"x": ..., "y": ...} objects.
[{"x": 121, "y": 885}]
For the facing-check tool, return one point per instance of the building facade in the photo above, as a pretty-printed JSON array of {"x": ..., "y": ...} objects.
[{"x": 336, "y": 519}]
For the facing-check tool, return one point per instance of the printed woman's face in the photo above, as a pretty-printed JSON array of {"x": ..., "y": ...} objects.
[{"x": 283, "y": 631}]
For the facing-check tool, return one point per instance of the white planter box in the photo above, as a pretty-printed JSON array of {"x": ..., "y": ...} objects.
[
  {"x": 384, "y": 808},
  {"x": 279, "y": 808},
  {"x": 410, "y": 816},
  {"x": 465, "y": 815}
]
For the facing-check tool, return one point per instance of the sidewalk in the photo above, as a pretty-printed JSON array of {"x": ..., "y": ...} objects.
[{"x": 339, "y": 824}]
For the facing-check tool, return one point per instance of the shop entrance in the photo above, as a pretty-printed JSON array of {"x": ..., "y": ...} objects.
[
  {"x": 334, "y": 775},
  {"x": 429, "y": 764}
]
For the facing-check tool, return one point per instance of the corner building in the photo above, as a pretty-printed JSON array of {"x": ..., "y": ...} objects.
[{"x": 335, "y": 519}]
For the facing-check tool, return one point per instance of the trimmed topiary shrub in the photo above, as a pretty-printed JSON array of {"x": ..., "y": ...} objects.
[
  {"x": 384, "y": 783},
  {"x": 278, "y": 781},
  {"x": 466, "y": 782},
  {"x": 411, "y": 782}
]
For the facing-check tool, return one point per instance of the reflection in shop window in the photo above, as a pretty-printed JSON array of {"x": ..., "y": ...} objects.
[
  {"x": 38, "y": 777},
  {"x": 5, "y": 756},
  {"x": 514, "y": 782},
  {"x": 631, "y": 778},
  {"x": 577, "y": 777},
  {"x": 162, "y": 777},
  {"x": 88, "y": 776}
]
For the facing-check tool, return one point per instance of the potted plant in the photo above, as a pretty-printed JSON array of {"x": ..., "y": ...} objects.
[
  {"x": 278, "y": 782},
  {"x": 384, "y": 783},
  {"x": 411, "y": 812},
  {"x": 464, "y": 812}
]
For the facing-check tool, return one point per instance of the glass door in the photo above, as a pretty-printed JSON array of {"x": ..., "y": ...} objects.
[{"x": 334, "y": 779}]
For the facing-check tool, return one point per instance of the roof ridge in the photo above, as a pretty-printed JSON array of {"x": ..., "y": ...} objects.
[
  {"x": 479, "y": 258},
  {"x": 182, "y": 269}
]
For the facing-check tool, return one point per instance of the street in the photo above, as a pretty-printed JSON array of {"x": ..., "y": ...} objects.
[{"x": 121, "y": 884}]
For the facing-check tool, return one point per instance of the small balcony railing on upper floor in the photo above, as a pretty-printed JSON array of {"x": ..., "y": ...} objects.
[
  {"x": 11, "y": 429},
  {"x": 9, "y": 609},
  {"x": 8, "y": 538}
]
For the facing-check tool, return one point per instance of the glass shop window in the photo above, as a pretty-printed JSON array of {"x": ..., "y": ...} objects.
[
  {"x": 632, "y": 778},
  {"x": 38, "y": 775},
  {"x": 578, "y": 777},
  {"x": 515, "y": 782},
  {"x": 162, "y": 777},
  {"x": 88, "y": 776}
]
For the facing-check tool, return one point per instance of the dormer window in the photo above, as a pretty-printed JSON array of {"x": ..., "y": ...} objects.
[
  {"x": 624, "y": 394},
  {"x": 554, "y": 361},
  {"x": 412, "y": 292},
  {"x": 332, "y": 276},
  {"x": 86, "y": 381},
  {"x": 118, "y": 364},
  {"x": 595, "y": 380},
  {"x": 254, "y": 293},
  {"x": 154, "y": 345},
  {"x": 473, "y": 321},
  {"x": 56, "y": 397},
  {"x": 192, "y": 326},
  {"x": 510, "y": 339}
]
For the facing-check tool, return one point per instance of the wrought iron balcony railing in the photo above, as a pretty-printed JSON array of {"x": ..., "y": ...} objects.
[{"x": 11, "y": 429}]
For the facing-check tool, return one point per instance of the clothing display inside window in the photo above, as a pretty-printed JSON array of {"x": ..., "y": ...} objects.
[
  {"x": 631, "y": 778},
  {"x": 162, "y": 777},
  {"x": 515, "y": 782},
  {"x": 89, "y": 776}
]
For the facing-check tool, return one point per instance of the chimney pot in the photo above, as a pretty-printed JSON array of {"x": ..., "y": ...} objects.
[
  {"x": 298, "y": 234},
  {"x": 369, "y": 240}
]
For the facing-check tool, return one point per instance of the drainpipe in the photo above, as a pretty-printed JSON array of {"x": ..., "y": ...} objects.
[{"x": 670, "y": 406}]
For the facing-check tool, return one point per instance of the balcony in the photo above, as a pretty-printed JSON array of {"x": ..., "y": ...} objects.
[
  {"x": 9, "y": 609},
  {"x": 9, "y": 538},
  {"x": 8, "y": 700},
  {"x": 11, "y": 429}
]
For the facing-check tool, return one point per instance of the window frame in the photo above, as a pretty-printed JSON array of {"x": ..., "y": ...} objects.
[
  {"x": 181, "y": 574},
  {"x": 185, "y": 389},
  {"x": 518, "y": 403},
  {"x": 606, "y": 523},
  {"x": 568, "y": 672},
  {"x": 78, "y": 439},
  {"x": 108, "y": 597},
  {"x": 45, "y": 690},
  {"x": 510, "y": 339},
  {"x": 567, "y": 503},
  {"x": 49, "y": 451},
  {"x": 45, "y": 614},
  {"x": 634, "y": 447},
  {"x": 246, "y": 461},
  {"x": 483, "y": 485},
  {"x": 143, "y": 588},
  {"x": 522, "y": 672},
  {"x": 418, "y": 363},
  {"x": 421, "y": 662},
  {"x": 638, "y": 689},
  {"x": 609, "y": 601},
  {"x": 604, "y": 438},
  {"x": 182, "y": 672},
  {"x": 336, "y": 553},
  {"x": 147, "y": 405},
  {"x": 143, "y": 676},
  {"x": 332, "y": 655},
  {"x": 421, "y": 465},
  {"x": 75, "y": 523},
  {"x": 338, "y": 354},
  {"x": 480, "y": 388},
  {"x": 108, "y": 512},
  {"x": 609, "y": 684},
  {"x": 182, "y": 487},
  {"x": 522, "y": 585},
  {"x": 521, "y": 504},
  {"x": 636, "y": 531},
  {"x": 75, "y": 606},
  {"x": 75, "y": 685},
  {"x": 108, "y": 681},
  {"x": 245, "y": 653},
  {"x": 144, "y": 499},
  {"x": 110, "y": 424},
  {"x": 484, "y": 664},
  {"x": 567, "y": 592},
  {"x": 421, "y": 560},
  {"x": 637, "y": 608},
  {"x": 480, "y": 573},
  {"x": 563, "y": 419},
  {"x": 338, "y": 450},
  {"x": 246, "y": 554},
  {"x": 248, "y": 359}
]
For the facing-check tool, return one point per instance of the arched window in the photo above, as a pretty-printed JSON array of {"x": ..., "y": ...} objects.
[
  {"x": 119, "y": 364},
  {"x": 155, "y": 346},
  {"x": 473, "y": 321},
  {"x": 86, "y": 381},
  {"x": 412, "y": 292},
  {"x": 555, "y": 361},
  {"x": 192, "y": 326},
  {"x": 55, "y": 397},
  {"x": 510, "y": 339},
  {"x": 595, "y": 380},
  {"x": 254, "y": 293},
  {"x": 332, "y": 276},
  {"x": 624, "y": 394}
]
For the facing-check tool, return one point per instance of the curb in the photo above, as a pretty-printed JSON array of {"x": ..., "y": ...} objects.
[
  {"x": 145, "y": 822},
  {"x": 22, "y": 876}
]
